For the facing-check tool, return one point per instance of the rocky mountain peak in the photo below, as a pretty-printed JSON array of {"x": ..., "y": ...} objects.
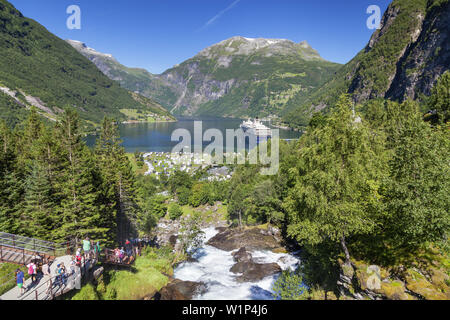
[
  {"x": 84, "y": 49},
  {"x": 239, "y": 45},
  {"x": 304, "y": 44}
]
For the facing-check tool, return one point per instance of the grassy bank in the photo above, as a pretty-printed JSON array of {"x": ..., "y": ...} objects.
[
  {"x": 139, "y": 168},
  {"x": 149, "y": 274},
  {"x": 209, "y": 213}
]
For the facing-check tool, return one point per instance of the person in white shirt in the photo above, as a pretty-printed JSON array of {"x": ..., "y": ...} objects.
[{"x": 47, "y": 275}]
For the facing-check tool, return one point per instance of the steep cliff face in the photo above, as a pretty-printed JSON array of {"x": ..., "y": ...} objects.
[
  {"x": 418, "y": 60},
  {"x": 402, "y": 60},
  {"x": 425, "y": 59}
]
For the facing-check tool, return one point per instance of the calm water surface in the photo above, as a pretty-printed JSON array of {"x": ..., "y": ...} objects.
[{"x": 156, "y": 137}]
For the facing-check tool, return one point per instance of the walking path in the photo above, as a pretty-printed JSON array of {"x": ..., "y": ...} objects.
[
  {"x": 22, "y": 250},
  {"x": 39, "y": 291}
]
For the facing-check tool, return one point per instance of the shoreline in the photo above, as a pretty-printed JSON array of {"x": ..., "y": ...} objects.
[{"x": 140, "y": 122}]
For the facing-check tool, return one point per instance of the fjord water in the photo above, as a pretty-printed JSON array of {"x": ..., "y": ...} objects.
[
  {"x": 156, "y": 137},
  {"x": 213, "y": 269}
]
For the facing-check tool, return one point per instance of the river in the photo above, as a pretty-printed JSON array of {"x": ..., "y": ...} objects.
[
  {"x": 156, "y": 137},
  {"x": 213, "y": 268}
]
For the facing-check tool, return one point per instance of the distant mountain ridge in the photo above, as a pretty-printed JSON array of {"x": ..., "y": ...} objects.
[{"x": 235, "y": 77}]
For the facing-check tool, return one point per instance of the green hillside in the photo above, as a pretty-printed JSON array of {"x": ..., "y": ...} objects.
[{"x": 42, "y": 70}]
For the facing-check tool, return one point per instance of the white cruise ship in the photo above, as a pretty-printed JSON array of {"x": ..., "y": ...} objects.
[{"x": 257, "y": 128}]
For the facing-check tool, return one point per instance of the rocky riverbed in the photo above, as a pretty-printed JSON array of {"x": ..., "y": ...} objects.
[{"x": 234, "y": 264}]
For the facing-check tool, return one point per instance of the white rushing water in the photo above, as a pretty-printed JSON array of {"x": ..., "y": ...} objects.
[{"x": 213, "y": 269}]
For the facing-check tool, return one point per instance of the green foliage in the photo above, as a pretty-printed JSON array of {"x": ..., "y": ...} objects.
[
  {"x": 440, "y": 99},
  {"x": 318, "y": 120},
  {"x": 417, "y": 190},
  {"x": 55, "y": 188},
  {"x": 175, "y": 211},
  {"x": 119, "y": 182},
  {"x": 336, "y": 195},
  {"x": 289, "y": 286},
  {"x": 191, "y": 236},
  {"x": 87, "y": 293},
  {"x": 178, "y": 180},
  {"x": 184, "y": 194},
  {"x": 157, "y": 206},
  {"x": 201, "y": 194}
]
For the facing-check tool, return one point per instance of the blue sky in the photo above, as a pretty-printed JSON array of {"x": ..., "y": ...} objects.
[{"x": 157, "y": 34}]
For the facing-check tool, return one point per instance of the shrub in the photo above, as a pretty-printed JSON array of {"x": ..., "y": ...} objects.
[{"x": 175, "y": 211}]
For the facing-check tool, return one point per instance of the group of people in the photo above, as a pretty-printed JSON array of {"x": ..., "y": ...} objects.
[
  {"x": 20, "y": 276},
  {"x": 90, "y": 249},
  {"x": 61, "y": 274},
  {"x": 125, "y": 254}
]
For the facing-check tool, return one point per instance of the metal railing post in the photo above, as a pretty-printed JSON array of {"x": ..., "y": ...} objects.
[
  {"x": 14, "y": 241},
  {"x": 23, "y": 256},
  {"x": 36, "y": 294}
]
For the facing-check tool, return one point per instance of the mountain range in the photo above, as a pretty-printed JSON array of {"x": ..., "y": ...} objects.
[
  {"x": 234, "y": 78},
  {"x": 237, "y": 77}
]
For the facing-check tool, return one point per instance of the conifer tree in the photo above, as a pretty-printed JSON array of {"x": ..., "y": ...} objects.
[
  {"x": 118, "y": 181},
  {"x": 80, "y": 213},
  {"x": 10, "y": 186},
  {"x": 39, "y": 218}
]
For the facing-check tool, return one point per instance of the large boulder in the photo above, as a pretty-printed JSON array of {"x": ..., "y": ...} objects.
[
  {"x": 252, "y": 272},
  {"x": 251, "y": 239},
  {"x": 242, "y": 255},
  {"x": 181, "y": 290}
]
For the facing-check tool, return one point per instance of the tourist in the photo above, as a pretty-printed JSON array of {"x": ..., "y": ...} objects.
[
  {"x": 138, "y": 253},
  {"x": 20, "y": 276},
  {"x": 87, "y": 248},
  {"x": 58, "y": 277},
  {"x": 78, "y": 258},
  {"x": 32, "y": 271},
  {"x": 121, "y": 255},
  {"x": 73, "y": 264},
  {"x": 98, "y": 249},
  {"x": 117, "y": 254},
  {"x": 128, "y": 248},
  {"x": 62, "y": 273},
  {"x": 47, "y": 276}
]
